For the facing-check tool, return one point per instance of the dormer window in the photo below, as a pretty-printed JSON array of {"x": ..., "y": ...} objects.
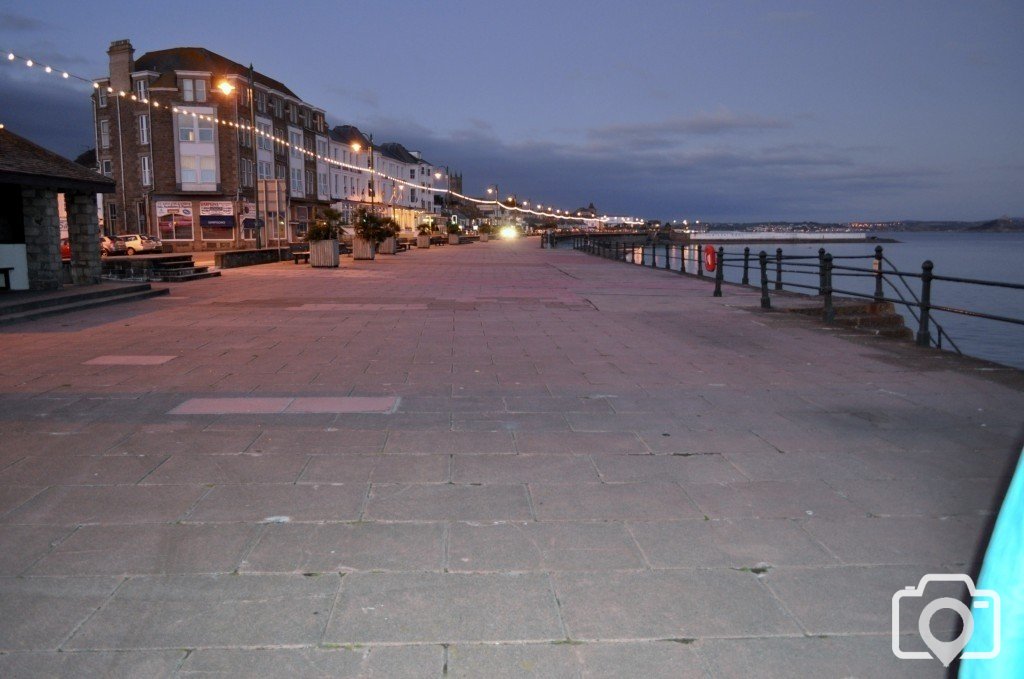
[
  {"x": 142, "y": 88},
  {"x": 193, "y": 89}
]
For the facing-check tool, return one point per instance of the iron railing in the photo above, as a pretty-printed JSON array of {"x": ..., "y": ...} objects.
[{"x": 828, "y": 268}]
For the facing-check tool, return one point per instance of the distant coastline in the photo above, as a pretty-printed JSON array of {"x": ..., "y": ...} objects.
[{"x": 1000, "y": 225}]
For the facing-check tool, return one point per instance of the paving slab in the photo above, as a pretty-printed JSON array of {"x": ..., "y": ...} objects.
[
  {"x": 612, "y": 502},
  {"x": 21, "y": 546},
  {"x": 377, "y": 469},
  {"x": 40, "y": 613},
  {"x": 262, "y": 502},
  {"x": 188, "y": 611},
  {"x": 453, "y": 607},
  {"x": 448, "y": 502},
  {"x": 113, "y": 664},
  {"x": 541, "y": 546},
  {"x": 363, "y": 546},
  {"x": 383, "y": 662},
  {"x": 513, "y": 661},
  {"x": 523, "y": 468},
  {"x": 69, "y": 505}
]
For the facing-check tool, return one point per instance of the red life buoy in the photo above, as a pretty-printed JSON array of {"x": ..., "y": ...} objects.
[{"x": 710, "y": 258}]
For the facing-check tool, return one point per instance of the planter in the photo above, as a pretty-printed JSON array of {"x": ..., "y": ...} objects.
[
  {"x": 453, "y": 239},
  {"x": 323, "y": 253},
  {"x": 362, "y": 248},
  {"x": 388, "y": 246},
  {"x": 423, "y": 242},
  {"x": 484, "y": 237}
]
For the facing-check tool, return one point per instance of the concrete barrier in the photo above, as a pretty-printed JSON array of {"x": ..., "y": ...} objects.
[{"x": 233, "y": 259}]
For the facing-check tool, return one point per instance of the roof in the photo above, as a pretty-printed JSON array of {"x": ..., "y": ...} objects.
[
  {"x": 398, "y": 152},
  {"x": 348, "y": 135},
  {"x": 202, "y": 59},
  {"x": 28, "y": 164}
]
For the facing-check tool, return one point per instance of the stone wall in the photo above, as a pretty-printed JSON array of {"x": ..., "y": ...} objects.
[
  {"x": 42, "y": 238},
  {"x": 83, "y": 235}
]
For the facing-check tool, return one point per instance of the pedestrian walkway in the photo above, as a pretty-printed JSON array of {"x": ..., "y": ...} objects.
[{"x": 488, "y": 461}]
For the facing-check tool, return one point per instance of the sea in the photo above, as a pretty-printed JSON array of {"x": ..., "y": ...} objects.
[{"x": 984, "y": 256}]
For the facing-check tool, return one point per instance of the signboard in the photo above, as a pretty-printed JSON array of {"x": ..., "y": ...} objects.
[{"x": 174, "y": 219}]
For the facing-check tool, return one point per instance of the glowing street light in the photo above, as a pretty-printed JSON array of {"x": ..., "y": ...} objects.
[{"x": 226, "y": 87}]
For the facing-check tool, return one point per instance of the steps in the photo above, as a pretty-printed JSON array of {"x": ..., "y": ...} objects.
[
  {"x": 876, "y": 318},
  {"x": 169, "y": 268},
  {"x": 38, "y": 306}
]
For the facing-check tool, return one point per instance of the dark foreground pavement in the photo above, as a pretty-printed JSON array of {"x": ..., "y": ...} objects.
[{"x": 486, "y": 461}]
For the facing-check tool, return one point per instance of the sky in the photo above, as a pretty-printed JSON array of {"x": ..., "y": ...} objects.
[{"x": 725, "y": 111}]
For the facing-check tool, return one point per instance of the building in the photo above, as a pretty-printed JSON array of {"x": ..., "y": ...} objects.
[
  {"x": 31, "y": 181},
  {"x": 173, "y": 128},
  {"x": 349, "y": 187}
]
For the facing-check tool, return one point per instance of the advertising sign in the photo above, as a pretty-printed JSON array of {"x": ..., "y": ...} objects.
[{"x": 175, "y": 219}]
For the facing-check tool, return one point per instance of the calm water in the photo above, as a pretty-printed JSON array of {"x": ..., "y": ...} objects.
[{"x": 989, "y": 256}]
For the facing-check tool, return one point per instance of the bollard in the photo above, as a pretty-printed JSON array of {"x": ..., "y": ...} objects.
[
  {"x": 778, "y": 268},
  {"x": 700, "y": 262},
  {"x": 746, "y": 266},
  {"x": 719, "y": 272},
  {"x": 766, "y": 302},
  {"x": 830, "y": 311},
  {"x": 879, "y": 294},
  {"x": 667, "y": 266},
  {"x": 821, "y": 271},
  {"x": 924, "y": 338}
]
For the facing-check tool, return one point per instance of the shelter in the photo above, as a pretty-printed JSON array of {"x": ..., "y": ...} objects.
[{"x": 31, "y": 178}]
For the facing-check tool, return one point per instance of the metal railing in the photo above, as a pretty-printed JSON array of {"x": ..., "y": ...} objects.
[{"x": 828, "y": 268}]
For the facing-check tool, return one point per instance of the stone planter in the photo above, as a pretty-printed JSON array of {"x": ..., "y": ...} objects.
[
  {"x": 453, "y": 239},
  {"x": 388, "y": 246},
  {"x": 484, "y": 237},
  {"x": 323, "y": 253},
  {"x": 362, "y": 248},
  {"x": 423, "y": 242}
]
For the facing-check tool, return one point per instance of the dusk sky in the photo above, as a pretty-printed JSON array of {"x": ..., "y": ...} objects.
[{"x": 743, "y": 111}]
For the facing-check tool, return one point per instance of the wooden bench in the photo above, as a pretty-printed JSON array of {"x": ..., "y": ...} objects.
[
  {"x": 299, "y": 252},
  {"x": 5, "y": 271}
]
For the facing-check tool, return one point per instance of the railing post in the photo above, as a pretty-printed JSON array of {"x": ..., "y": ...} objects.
[
  {"x": 821, "y": 271},
  {"x": 778, "y": 268},
  {"x": 700, "y": 262},
  {"x": 879, "y": 293},
  {"x": 719, "y": 272},
  {"x": 830, "y": 311},
  {"x": 682, "y": 258},
  {"x": 924, "y": 338},
  {"x": 766, "y": 302},
  {"x": 667, "y": 265},
  {"x": 746, "y": 266}
]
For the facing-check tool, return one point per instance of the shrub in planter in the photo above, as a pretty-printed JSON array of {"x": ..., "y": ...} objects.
[
  {"x": 453, "y": 234},
  {"x": 322, "y": 237},
  {"x": 370, "y": 230},
  {"x": 485, "y": 232},
  {"x": 423, "y": 237}
]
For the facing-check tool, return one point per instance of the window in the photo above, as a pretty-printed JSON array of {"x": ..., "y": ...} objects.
[
  {"x": 187, "y": 91},
  {"x": 208, "y": 170},
  {"x": 101, "y": 96},
  {"x": 295, "y": 139},
  {"x": 146, "y": 166},
  {"x": 296, "y": 181},
  {"x": 261, "y": 101},
  {"x": 186, "y": 127},
  {"x": 263, "y": 141},
  {"x": 111, "y": 217},
  {"x": 322, "y": 184},
  {"x": 200, "y": 90},
  {"x": 144, "y": 129},
  {"x": 310, "y": 190},
  {"x": 245, "y": 138},
  {"x": 108, "y": 168},
  {"x": 278, "y": 107},
  {"x": 280, "y": 172},
  {"x": 205, "y": 129},
  {"x": 246, "y": 172},
  {"x": 321, "y": 147},
  {"x": 142, "y": 88},
  {"x": 266, "y": 170},
  {"x": 412, "y": 174},
  {"x": 104, "y": 134},
  {"x": 293, "y": 112},
  {"x": 278, "y": 146},
  {"x": 188, "y": 170}
]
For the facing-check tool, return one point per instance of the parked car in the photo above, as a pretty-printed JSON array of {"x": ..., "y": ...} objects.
[
  {"x": 111, "y": 246},
  {"x": 135, "y": 242},
  {"x": 65, "y": 249}
]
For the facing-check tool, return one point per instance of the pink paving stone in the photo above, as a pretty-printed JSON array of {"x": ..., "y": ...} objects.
[
  {"x": 248, "y": 405},
  {"x": 113, "y": 359},
  {"x": 343, "y": 404}
]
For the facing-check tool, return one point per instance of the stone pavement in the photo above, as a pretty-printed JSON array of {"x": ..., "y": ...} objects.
[{"x": 480, "y": 461}]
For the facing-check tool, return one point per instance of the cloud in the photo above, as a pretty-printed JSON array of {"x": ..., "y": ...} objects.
[
  {"x": 17, "y": 23},
  {"x": 364, "y": 96},
  {"x": 48, "y": 112}
]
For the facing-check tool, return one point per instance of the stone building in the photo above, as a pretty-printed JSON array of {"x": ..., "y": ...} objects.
[
  {"x": 188, "y": 176},
  {"x": 31, "y": 178}
]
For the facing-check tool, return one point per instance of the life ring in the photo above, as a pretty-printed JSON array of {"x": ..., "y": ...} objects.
[{"x": 710, "y": 258}]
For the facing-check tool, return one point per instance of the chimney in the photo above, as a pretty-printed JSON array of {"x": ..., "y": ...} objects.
[{"x": 122, "y": 63}]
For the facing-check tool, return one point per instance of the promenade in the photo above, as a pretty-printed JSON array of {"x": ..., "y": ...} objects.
[{"x": 486, "y": 461}]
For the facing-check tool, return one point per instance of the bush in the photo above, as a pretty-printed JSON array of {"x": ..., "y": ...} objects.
[
  {"x": 453, "y": 228},
  {"x": 484, "y": 229},
  {"x": 325, "y": 228},
  {"x": 373, "y": 227}
]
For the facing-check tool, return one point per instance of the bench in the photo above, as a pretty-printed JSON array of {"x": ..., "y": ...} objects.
[
  {"x": 5, "y": 271},
  {"x": 300, "y": 252}
]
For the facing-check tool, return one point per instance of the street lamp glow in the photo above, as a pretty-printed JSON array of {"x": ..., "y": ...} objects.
[
  {"x": 508, "y": 232},
  {"x": 226, "y": 87},
  {"x": 356, "y": 147}
]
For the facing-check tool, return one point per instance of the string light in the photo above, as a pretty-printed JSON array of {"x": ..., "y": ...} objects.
[{"x": 400, "y": 183}]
